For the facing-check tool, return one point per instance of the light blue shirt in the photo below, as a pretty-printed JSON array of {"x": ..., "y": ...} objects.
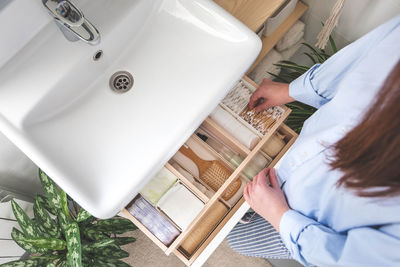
[{"x": 331, "y": 226}]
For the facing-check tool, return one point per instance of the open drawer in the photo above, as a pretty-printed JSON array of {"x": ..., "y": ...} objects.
[{"x": 218, "y": 204}]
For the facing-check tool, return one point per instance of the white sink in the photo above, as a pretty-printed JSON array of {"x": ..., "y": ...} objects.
[{"x": 99, "y": 146}]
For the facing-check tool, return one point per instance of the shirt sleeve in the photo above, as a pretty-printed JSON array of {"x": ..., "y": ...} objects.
[
  {"x": 310, "y": 242},
  {"x": 319, "y": 84}
]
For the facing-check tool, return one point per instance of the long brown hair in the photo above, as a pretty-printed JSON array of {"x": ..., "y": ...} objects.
[{"x": 369, "y": 155}]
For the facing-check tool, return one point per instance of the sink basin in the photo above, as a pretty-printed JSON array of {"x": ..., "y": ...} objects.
[{"x": 102, "y": 147}]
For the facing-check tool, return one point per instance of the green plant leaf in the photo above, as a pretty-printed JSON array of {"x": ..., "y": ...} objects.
[
  {"x": 295, "y": 67},
  {"x": 48, "y": 257},
  {"x": 315, "y": 52},
  {"x": 46, "y": 243},
  {"x": 45, "y": 204},
  {"x": 310, "y": 57},
  {"x": 93, "y": 234},
  {"x": 51, "y": 190},
  {"x": 82, "y": 215},
  {"x": 27, "y": 225},
  {"x": 26, "y": 263},
  {"x": 101, "y": 261},
  {"x": 89, "y": 247},
  {"x": 115, "y": 226},
  {"x": 64, "y": 204},
  {"x": 72, "y": 235},
  {"x": 50, "y": 264},
  {"x": 279, "y": 78},
  {"x": 19, "y": 238},
  {"x": 45, "y": 223},
  {"x": 120, "y": 241},
  {"x": 333, "y": 44},
  {"x": 112, "y": 252},
  {"x": 63, "y": 221}
]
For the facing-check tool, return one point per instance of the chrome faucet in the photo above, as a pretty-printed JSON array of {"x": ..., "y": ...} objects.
[{"x": 72, "y": 22}]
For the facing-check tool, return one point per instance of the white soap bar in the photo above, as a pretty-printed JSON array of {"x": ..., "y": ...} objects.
[{"x": 180, "y": 205}]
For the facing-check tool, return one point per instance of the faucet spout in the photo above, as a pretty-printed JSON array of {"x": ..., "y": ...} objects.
[{"x": 72, "y": 22}]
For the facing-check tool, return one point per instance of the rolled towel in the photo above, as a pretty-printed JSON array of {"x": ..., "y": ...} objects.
[
  {"x": 291, "y": 37},
  {"x": 288, "y": 53},
  {"x": 234, "y": 127},
  {"x": 201, "y": 230},
  {"x": 266, "y": 65}
]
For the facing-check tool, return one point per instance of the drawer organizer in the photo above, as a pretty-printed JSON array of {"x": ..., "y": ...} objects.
[{"x": 208, "y": 174}]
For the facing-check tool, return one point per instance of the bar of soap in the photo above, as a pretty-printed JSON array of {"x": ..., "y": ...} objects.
[
  {"x": 153, "y": 220},
  {"x": 158, "y": 185},
  {"x": 180, "y": 205}
]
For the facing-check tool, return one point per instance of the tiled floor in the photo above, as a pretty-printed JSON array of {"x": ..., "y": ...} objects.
[{"x": 145, "y": 253}]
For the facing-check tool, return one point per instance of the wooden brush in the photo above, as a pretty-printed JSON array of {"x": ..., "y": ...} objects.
[{"x": 213, "y": 173}]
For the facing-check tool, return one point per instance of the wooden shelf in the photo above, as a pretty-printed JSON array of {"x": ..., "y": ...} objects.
[
  {"x": 270, "y": 41},
  {"x": 253, "y": 13}
]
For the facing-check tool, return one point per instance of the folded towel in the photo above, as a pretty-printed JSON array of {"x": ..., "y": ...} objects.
[
  {"x": 153, "y": 220},
  {"x": 234, "y": 127},
  {"x": 288, "y": 53},
  {"x": 266, "y": 65},
  {"x": 291, "y": 37},
  {"x": 180, "y": 205},
  {"x": 158, "y": 185}
]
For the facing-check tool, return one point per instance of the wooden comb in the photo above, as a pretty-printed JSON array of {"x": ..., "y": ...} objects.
[{"x": 213, "y": 173}]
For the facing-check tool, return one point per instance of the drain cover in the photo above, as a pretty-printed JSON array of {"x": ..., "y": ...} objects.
[{"x": 121, "y": 82}]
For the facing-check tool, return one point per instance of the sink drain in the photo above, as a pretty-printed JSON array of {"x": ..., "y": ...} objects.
[{"x": 121, "y": 82}]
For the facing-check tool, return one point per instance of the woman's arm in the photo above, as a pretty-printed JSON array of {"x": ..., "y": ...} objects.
[
  {"x": 311, "y": 242},
  {"x": 319, "y": 84}
]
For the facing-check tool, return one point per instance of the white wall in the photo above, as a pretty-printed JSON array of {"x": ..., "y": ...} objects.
[
  {"x": 18, "y": 174},
  {"x": 358, "y": 18}
]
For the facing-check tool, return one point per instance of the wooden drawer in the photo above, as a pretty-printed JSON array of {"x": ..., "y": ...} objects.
[{"x": 234, "y": 209}]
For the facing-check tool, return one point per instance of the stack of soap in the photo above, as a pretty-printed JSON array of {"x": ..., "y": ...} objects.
[
  {"x": 158, "y": 185},
  {"x": 180, "y": 205},
  {"x": 161, "y": 228}
]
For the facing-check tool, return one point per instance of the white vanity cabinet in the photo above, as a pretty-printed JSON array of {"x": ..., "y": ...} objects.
[{"x": 215, "y": 233}]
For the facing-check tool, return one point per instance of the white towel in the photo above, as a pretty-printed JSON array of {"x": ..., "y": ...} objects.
[
  {"x": 291, "y": 37},
  {"x": 180, "y": 205},
  {"x": 267, "y": 65},
  {"x": 234, "y": 127},
  {"x": 288, "y": 53}
]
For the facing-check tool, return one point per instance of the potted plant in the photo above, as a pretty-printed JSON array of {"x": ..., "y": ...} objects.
[
  {"x": 63, "y": 234},
  {"x": 291, "y": 71}
]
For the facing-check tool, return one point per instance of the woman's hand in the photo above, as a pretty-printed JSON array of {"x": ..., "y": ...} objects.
[
  {"x": 270, "y": 94},
  {"x": 266, "y": 197}
]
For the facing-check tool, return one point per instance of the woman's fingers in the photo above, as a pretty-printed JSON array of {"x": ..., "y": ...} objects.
[
  {"x": 246, "y": 194},
  {"x": 254, "y": 99},
  {"x": 273, "y": 179},
  {"x": 264, "y": 105},
  {"x": 262, "y": 177}
]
